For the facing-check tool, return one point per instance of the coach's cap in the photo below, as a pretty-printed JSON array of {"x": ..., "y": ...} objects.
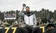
[{"x": 27, "y": 7}]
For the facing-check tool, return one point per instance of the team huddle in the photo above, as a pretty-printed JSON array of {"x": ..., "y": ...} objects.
[{"x": 29, "y": 24}]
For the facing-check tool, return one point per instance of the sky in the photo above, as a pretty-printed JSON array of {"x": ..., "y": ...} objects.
[{"x": 6, "y": 5}]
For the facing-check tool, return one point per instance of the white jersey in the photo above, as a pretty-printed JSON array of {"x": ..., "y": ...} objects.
[{"x": 29, "y": 19}]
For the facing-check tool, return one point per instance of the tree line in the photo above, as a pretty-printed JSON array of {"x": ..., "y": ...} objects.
[{"x": 43, "y": 13}]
